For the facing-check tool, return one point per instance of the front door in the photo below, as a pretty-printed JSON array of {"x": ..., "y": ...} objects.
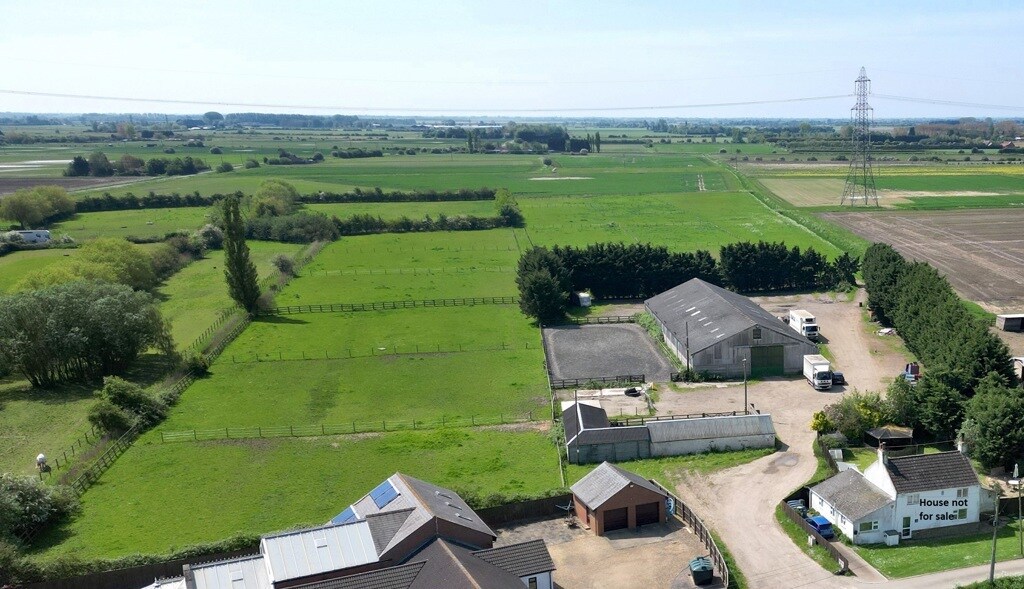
[{"x": 905, "y": 532}]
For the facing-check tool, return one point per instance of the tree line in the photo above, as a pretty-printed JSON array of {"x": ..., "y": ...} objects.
[
  {"x": 616, "y": 270},
  {"x": 98, "y": 165}
]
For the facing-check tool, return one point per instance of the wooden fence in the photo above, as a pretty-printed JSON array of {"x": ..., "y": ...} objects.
[
  {"x": 800, "y": 521},
  {"x": 388, "y": 305},
  {"x": 628, "y": 421},
  {"x": 532, "y": 508},
  {"x": 601, "y": 320},
  {"x": 569, "y": 383},
  {"x": 392, "y": 350},
  {"x": 702, "y": 532},
  {"x": 355, "y": 427},
  {"x": 62, "y": 458},
  {"x": 116, "y": 449},
  {"x": 831, "y": 462}
]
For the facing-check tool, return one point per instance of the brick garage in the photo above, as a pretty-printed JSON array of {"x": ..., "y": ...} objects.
[{"x": 610, "y": 498}]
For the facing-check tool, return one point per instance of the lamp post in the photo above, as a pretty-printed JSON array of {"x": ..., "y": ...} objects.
[{"x": 745, "y": 387}]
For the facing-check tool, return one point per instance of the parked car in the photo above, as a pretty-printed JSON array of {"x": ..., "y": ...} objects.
[
  {"x": 822, "y": 526},
  {"x": 838, "y": 378}
]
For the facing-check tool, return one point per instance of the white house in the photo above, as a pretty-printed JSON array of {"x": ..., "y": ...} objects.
[{"x": 900, "y": 495}]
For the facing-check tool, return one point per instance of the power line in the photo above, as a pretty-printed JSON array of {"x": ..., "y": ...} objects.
[
  {"x": 419, "y": 110},
  {"x": 948, "y": 102}
]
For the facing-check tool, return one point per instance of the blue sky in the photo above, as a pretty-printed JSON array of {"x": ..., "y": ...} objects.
[{"x": 502, "y": 58}]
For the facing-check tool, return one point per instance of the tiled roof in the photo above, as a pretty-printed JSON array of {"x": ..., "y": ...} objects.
[
  {"x": 851, "y": 494},
  {"x": 930, "y": 472},
  {"x": 605, "y": 481},
  {"x": 523, "y": 559},
  {"x": 385, "y": 525},
  {"x": 580, "y": 416},
  {"x": 398, "y": 577},
  {"x": 712, "y": 314}
]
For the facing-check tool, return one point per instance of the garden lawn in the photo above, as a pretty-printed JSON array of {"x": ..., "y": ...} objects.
[
  {"x": 141, "y": 223},
  {"x": 666, "y": 470},
  {"x": 14, "y": 266},
  {"x": 192, "y": 299},
  {"x": 363, "y": 390},
  {"x": 919, "y": 557},
  {"x": 162, "y": 496}
]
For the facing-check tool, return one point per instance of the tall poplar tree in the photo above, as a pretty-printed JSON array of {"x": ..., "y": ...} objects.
[{"x": 239, "y": 269}]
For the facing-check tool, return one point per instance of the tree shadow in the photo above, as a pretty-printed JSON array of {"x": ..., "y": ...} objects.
[{"x": 280, "y": 319}]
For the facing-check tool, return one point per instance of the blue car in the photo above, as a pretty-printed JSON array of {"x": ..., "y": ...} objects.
[{"x": 822, "y": 526}]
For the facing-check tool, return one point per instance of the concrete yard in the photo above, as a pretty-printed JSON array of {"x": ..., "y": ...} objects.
[
  {"x": 654, "y": 556},
  {"x": 592, "y": 351}
]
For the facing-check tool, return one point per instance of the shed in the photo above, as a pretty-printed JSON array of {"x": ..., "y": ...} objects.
[
  {"x": 893, "y": 436},
  {"x": 610, "y": 498},
  {"x": 707, "y": 434},
  {"x": 1010, "y": 322},
  {"x": 714, "y": 330}
]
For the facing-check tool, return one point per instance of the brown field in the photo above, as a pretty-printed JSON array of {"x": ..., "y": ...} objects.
[
  {"x": 9, "y": 185},
  {"x": 981, "y": 252}
]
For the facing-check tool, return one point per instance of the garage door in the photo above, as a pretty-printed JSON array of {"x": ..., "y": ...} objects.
[
  {"x": 616, "y": 519},
  {"x": 647, "y": 514},
  {"x": 767, "y": 361}
]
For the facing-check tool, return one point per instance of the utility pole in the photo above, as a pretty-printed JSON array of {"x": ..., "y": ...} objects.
[
  {"x": 860, "y": 182},
  {"x": 995, "y": 531}
]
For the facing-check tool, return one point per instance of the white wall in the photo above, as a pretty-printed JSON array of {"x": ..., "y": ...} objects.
[
  {"x": 543, "y": 580},
  {"x": 937, "y": 509},
  {"x": 681, "y": 447}
]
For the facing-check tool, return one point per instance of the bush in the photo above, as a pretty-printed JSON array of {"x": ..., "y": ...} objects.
[
  {"x": 111, "y": 419},
  {"x": 195, "y": 363},
  {"x": 251, "y": 163},
  {"x": 133, "y": 400},
  {"x": 834, "y": 441},
  {"x": 27, "y": 505},
  {"x": 216, "y": 150},
  {"x": 211, "y": 236},
  {"x": 169, "y": 150},
  {"x": 225, "y": 167},
  {"x": 547, "y": 161},
  {"x": 166, "y": 261},
  {"x": 284, "y": 264}
]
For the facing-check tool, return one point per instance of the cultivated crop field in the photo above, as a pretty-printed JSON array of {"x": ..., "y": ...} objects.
[{"x": 980, "y": 252}]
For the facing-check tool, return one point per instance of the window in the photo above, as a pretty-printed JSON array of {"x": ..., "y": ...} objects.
[
  {"x": 842, "y": 519},
  {"x": 961, "y": 514},
  {"x": 718, "y": 351},
  {"x": 867, "y": 526},
  {"x": 756, "y": 334},
  {"x": 961, "y": 493},
  {"x": 913, "y": 499},
  {"x": 532, "y": 583}
]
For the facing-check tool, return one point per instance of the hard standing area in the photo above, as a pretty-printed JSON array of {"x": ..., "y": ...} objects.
[{"x": 592, "y": 351}]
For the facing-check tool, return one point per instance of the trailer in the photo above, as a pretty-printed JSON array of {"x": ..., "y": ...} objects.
[
  {"x": 804, "y": 323},
  {"x": 818, "y": 372}
]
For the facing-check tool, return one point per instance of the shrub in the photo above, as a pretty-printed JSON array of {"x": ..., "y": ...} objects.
[
  {"x": 547, "y": 161},
  {"x": 834, "y": 441},
  {"x": 110, "y": 419},
  {"x": 251, "y": 163},
  {"x": 195, "y": 363},
  {"x": 169, "y": 150},
  {"x": 225, "y": 167},
  {"x": 216, "y": 150},
  {"x": 27, "y": 505},
  {"x": 284, "y": 264},
  {"x": 211, "y": 236},
  {"x": 132, "y": 399},
  {"x": 166, "y": 261}
]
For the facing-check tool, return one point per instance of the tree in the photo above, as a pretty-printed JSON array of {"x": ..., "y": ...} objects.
[
  {"x": 239, "y": 270},
  {"x": 99, "y": 165},
  {"x": 274, "y": 198},
  {"x": 79, "y": 166},
  {"x": 597, "y": 141},
  {"x": 23, "y": 207},
  {"x": 213, "y": 118},
  {"x": 543, "y": 285},
  {"x": 72, "y": 270},
  {"x": 900, "y": 405},
  {"x": 940, "y": 403},
  {"x": 27, "y": 505},
  {"x": 997, "y": 412},
  {"x": 130, "y": 264}
]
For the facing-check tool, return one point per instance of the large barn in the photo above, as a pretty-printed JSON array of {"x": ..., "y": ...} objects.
[{"x": 713, "y": 330}]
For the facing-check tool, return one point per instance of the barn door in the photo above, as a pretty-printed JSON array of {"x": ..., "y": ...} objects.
[{"x": 767, "y": 361}]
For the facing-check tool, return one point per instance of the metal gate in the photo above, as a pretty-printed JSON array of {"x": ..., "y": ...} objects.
[{"x": 767, "y": 361}]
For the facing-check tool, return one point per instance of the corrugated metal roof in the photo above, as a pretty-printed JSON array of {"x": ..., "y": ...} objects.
[
  {"x": 613, "y": 435},
  {"x": 712, "y": 314},
  {"x": 703, "y": 428},
  {"x": 602, "y": 483},
  {"x": 239, "y": 573},
  {"x": 851, "y": 494},
  {"x": 317, "y": 550}
]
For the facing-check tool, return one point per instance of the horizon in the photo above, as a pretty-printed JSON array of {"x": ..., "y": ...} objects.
[{"x": 757, "y": 60}]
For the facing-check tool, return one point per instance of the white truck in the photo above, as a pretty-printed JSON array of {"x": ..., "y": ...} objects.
[
  {"x": 804, "y": 324},
  {"x": 818, "y": 372}
]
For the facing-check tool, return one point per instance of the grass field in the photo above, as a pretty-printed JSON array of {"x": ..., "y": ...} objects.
[
  {"x": 14, "y": 266},
  {"x": 159, "y": 496},
  {"x": 137, "y": 223},
  {"x": 413, "y": 210},
  {"x": 919, "y": 557}
]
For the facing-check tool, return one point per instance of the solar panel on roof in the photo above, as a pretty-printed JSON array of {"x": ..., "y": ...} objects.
[
  {"x": 349, "y": 515},
  {"x": 383, "y": 494}
]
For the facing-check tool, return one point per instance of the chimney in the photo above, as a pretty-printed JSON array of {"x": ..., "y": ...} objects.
[{"x": 883, "y": 456}]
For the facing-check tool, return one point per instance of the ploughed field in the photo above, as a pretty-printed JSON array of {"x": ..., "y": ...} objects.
[{"x": 981, "y": 252}]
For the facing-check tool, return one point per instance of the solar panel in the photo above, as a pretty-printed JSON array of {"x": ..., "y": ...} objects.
[
  {"x": 349, "y": 515},
  {"x": 383, "y": 494}
]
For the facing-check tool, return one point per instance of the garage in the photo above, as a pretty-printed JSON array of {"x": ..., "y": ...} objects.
[
  {"x": 610, "y": 498},
  {"x": 647, "y": 513},
  {"x": 616, "y": 519},
  {"x": 767, "y": 361}
]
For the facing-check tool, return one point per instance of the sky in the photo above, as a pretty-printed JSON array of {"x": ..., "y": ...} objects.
[{"x": 521, "y": 58}]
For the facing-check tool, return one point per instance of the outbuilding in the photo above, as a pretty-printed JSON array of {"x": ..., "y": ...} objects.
[
  {"x": 713, "y": 330},
  {"x": 1010, "y": 322},
  {"x": 610, "y": 498},
  {"x": 900, "y": 496}
]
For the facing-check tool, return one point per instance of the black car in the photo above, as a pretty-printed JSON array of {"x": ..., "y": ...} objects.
[{"x": 838, "y": 378}]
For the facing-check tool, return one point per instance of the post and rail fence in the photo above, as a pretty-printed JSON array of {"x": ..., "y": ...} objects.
[
  {"x": 569, "y": 383},
  {"x": 701, "y": 531},
  {"x": 630, "y": 421},
  {"x": 818, "y": 538},
  {"x": 353, "y": 427},
  {"x": 389, "y": 305}
]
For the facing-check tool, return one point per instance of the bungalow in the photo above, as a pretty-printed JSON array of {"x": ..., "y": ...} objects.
[{"x": 898, "y": 496}]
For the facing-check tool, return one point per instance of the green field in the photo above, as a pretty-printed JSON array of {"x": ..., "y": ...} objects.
[
  {"x": 14, "y": 266},
  {"x": 159, "y": 496},
  {"x": 134, "y": 223},
  {"x": 413, "y": 210}
]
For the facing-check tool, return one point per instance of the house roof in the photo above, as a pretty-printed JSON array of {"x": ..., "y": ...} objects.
[
  {"x": 291, "y": 555},
  {"x": 712, "y": 313},
  {"x": 579, "y": 416},
  {"x": 704, "y": 428},
  {"x": 930, "y": 472},
  {"x": 605, "y": 481},
  {"x": 851, "y": 494},
  {"x": 525, "y": 558},
  {"x": 442, "y": 563}
]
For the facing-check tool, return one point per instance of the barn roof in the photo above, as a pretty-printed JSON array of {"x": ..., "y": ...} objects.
[
  {"x": 930, "y": 472},
  {"x": 614, "y": 435},
  {"x": 851, "y": 494},
  {"x": 712, "y": 313},
  {"x": 605, "y": 481},
  {"x": 706, "y": 428},
  {"x": 580, "y": 416}
]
